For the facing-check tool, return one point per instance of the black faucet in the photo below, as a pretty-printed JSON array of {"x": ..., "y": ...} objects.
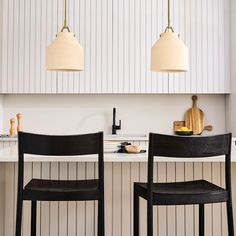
[{"x": 114, "y": 126}]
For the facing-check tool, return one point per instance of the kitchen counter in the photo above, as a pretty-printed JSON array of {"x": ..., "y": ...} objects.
[
  {"x": 120, "y": 172},
  {"x": 10, "y": 154}
]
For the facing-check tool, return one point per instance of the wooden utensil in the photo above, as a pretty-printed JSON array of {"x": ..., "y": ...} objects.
[
  {"x": 194, "y": 118},
  {"x": 12, "y": 130},
  {"x": 19, "y": 119}
]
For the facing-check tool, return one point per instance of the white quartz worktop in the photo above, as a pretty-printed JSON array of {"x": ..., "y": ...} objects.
[{"x": 10, "y": 154}]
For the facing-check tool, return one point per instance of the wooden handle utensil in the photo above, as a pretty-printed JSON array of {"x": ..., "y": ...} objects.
[{"x": 194, "y": 118}]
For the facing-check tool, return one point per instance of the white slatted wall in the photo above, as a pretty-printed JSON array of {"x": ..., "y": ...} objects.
[
  {"x": 117, "y": 36},
  {"x": 79, "y": 218}
]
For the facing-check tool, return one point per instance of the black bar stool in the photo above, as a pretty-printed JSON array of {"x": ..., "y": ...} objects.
[
  {"x": 180, "y": 193},
  {"x": 59, "y": 190}
]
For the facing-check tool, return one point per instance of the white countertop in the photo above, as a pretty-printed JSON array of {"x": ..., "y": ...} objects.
[{"x": 11, "y": 155}]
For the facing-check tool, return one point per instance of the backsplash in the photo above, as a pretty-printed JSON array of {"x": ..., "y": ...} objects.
[{"x": 140, "y": 114}]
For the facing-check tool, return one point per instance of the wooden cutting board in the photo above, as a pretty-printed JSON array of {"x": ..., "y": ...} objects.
[{"x": 194, "y": 118}]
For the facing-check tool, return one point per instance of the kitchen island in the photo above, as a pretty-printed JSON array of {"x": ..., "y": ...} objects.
[{"x": 121, "y": 170}]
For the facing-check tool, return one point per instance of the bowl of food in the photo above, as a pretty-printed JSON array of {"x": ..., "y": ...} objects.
[
  {"x": 185, "y": 131},
  {"x": 133, "y": 148}
]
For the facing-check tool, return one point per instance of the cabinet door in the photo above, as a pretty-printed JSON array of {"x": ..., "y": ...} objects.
[{"x": 117, "y": 37}]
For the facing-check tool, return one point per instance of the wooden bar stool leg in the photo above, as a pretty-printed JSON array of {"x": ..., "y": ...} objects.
[
  {"x": 201, "y": 220},
  {"x": 33, "y": 217},
  {"x": 18, "y": 216},
  {"x": 230, "y": 217},
  {"x": 136, "y": 213},
  {"x": 101, "y": 217}
]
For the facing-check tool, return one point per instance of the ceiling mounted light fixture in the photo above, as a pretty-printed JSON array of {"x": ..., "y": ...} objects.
[
  {"x": 169, "y": 54},
  {"x": 65, "y": 52}
]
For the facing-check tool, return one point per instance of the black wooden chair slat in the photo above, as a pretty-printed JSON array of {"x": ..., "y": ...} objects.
[
  {"x": 190, "y": 192},
  {"x": 59, "y": 190}
]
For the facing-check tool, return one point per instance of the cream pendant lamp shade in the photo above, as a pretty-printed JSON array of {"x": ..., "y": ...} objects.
[
  {"x": 65, "y": 52},
  {"x": 169, "y": 54}
]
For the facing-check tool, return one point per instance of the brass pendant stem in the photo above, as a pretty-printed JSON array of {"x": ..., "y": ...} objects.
[
  {"x": 65, "y": 26},
  {"x": 169, "y": 14},
  {"x": 65, "y": 19}
]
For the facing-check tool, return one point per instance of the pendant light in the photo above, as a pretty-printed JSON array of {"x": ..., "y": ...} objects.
[
  {"x": 65, "y": 52},
  {"x": 169, "y": 54}
]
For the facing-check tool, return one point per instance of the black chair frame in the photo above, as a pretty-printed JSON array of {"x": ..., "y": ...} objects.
[
  {"x": 50, "y": 145},
  {"x": 184, "y": 147}
]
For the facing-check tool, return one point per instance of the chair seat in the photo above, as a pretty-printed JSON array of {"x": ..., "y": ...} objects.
[
  {"x": 178, "y": 193},
  {"x": 53, "y": 190}
]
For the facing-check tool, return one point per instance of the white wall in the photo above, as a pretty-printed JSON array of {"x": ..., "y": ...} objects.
[{"x": 87, "y": 113}]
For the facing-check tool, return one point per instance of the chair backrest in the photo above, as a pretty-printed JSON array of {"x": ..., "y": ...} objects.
[
  {"x": 189, "y": 147},
  {"x": 53, "y": 145}
]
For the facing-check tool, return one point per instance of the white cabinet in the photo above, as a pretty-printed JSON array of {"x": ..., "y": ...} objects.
[{"x": 117, "y": 36}]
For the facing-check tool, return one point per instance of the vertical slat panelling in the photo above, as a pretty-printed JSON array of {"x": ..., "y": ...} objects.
[
  {"x": 148, "y": 45},
  {"x": 180, "y": 210},
  {"x": 63, "y": 209},
  {"x": 171, "y": 210},
  {"x": 10, "y": 51},
  {"x": 197, "y": 175},
  {"x": 193, "y": 46},
  {"x": 120, "y": 50},
  {"x": 116, "y": 199},
  {"x": 72, "y": 205},
  {"x": 143, "y": 45},
  {"x": 204, "y": 38},
  {"x": 215, "y": 16},
  {"x": 4, "y": 46},
  {"x": 9, "y": 200},
  {"x": 37, "y": 49},
  {"x": 125, "y": 36},
  {"x": 93, "y": 46},
  {"x": 90, "y": 217},
  {"x": 27, "y": 46},
  {"x": 16, "y": 29},
  {"x": 87, "y": 46},
  {"x": 189, "y": 210},
  {"x": 187, "y": 17},
  {"x": 224, "y": 227},
  {"x": 32, "y": 53},
  {"x": 117, "y": 37},
  {"x": 143, "y": 202},
  {"x": 119, "y": 216},
  {"x": 125, "y": 199},
  {"x": 130, "y": 46},
  {"x": 210, "y": 46},
  {"x": 199, "y": 41},
  {"x": 54, "y": 206},
  {"x": 159, "y": 29},
  {"x": 81, "y": 206},
  {"x": 135, "y": 177},
  {"x": 207, "y": 175},
  {"x": 82, "y": 26},
  {"x": 226, "y": 27},
  {"x": 216, "y": 211},
  {"x": 100, "y": 48},
  {"x": 108, "y": 198}
]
